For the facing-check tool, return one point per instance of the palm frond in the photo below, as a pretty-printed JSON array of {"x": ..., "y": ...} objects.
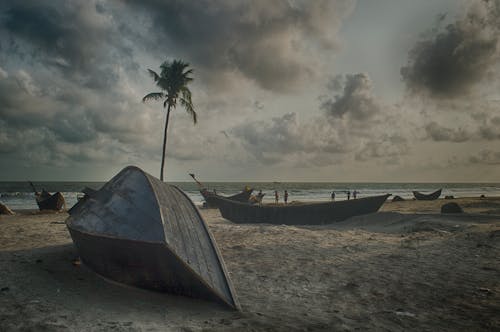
[
  {"x": 188, "y": 105},
  {"x": 154, "y": 75},
  {"x": 153, "y": 96}
]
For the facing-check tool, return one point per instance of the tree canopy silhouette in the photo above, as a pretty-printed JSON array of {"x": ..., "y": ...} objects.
[{"x": 173, "y": 80}]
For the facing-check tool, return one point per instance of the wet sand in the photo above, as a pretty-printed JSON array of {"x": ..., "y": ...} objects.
[{"x": 406, "y": 268}]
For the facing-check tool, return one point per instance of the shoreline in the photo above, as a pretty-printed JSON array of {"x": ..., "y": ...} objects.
[{"x": 406, "y": 268}]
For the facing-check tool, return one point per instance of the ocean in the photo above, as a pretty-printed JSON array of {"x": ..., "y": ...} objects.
[{"x": 18, "y": 195}]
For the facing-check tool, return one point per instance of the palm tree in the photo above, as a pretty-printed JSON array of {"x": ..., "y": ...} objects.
[{"x": 173, "y": 80}]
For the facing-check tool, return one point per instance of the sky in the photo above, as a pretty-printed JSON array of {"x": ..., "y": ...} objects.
[{"x": 334, "y": 91}]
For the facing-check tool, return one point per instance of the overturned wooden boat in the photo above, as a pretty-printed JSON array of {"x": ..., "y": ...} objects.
[
  {"x": 299, "y": 213},
  {"x": 48, "y": 201},
  {"x": 140, "y": 231},
  {"x": 211, "y": 197},
  {"x": 427, "y": 197}
]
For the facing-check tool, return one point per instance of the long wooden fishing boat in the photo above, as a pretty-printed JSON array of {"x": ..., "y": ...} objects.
[
  {"x": 140, "y": 231},
  {"x": 299, "y": 213},
  {"x": 211, "y": 197},
  {"x": 48, "y": 201},
  {"x": 427, "y": 197}
]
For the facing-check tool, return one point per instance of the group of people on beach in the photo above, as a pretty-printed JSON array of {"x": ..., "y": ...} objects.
[
  {"x": 348, "y": 193},
  {"x": 277, "y": 196},
  {"x": 285, "y": 195}
]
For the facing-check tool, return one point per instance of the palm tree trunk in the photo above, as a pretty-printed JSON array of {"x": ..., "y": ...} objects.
[{"x": 164, "y": 144}]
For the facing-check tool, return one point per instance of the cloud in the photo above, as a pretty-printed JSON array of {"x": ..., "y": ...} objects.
[
  {"x": 352, "y": 128},
  {"x": 387, "y": 147},
  {"x": 70, "y": 79},
  {"x": 487, "y": 157},
  {"x": 439, "y": 133},
  {"x": 490, "y": 128},
  {"x": 273, "y": 44},
  {"x": 71, "y": 36},
  {"x": 452, "y": 60},
  {"x": 353, "y": 98}
]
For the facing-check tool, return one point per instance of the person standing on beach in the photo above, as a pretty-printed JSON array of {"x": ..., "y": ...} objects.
[
  {"x": 286, "y": 196},
  {"x": 333, "y": 195},
  {"x": 276, "y": 197},
  {"x": 348, "y": 195},
  {"x": 354, "y": 194}
]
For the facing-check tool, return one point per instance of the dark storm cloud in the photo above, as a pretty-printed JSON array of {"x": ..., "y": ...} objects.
[
  {"x": 63, "y": 81},
  {"x": 353, "y": 97},
  {"x": 69, "y": 71},
  {"x": 452, "y": 60},
  {"x": 269, "y": 42},
  {"x": 71, "y": 36}
]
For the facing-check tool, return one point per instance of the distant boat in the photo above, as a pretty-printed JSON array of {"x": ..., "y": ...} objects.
[
  {"x": 47, "y": 201},
  {"x": 211, "y": 197},
  {"x": 427, "y": 197},
  {"x": 299, "y": 213},
  {"x": 140, "y": 231}
]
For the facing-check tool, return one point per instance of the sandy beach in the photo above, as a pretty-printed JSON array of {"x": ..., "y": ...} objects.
[{"x": 408, "y": 267}]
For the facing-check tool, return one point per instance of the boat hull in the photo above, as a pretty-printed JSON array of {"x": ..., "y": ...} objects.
[
  {"x": 427, "y": 197},
  {"x": 54, "y": 202},
  {"x": 212, "y": 199},
  {"x": 148, "y": 265},
  {"x": 300, "y": 214}
]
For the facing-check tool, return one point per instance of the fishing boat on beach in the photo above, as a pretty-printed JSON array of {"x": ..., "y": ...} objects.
[
  {"x": 140, "y": 231},
  {"x": 48, "y": 201},
  {"x": 427, "y": 197},
  {"x": 318, "y": 213},
  {"x": 211, "y": 197}
]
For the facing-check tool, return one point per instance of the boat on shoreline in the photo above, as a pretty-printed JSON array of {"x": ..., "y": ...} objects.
[
  {"x": 211, "y": 197},
  {"x": 318, "y": 213},
  {"x": 427, "y": 197},
  {"x": 140, "y": 231},
  {"x": 48, "y": 201}
]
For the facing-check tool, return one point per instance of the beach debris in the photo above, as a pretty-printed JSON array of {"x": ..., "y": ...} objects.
[
  {"x": 485, "y": 291},
  {"x": 4, "y": 209},
  {"x": 398, "y": 199},
  {"x": 76, "y": 262},
  {"x": 451, "y": 208},
  {"x": 449, "y": 197},
  {"x": 400, "y": 312}
]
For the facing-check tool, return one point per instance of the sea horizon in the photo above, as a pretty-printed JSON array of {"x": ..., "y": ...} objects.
[{"x": 19, "y": 194}]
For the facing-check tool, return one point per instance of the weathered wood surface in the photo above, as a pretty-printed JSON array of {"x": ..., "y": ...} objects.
[
  {"x": 299, "y": 214},
  {"x": 144, "y": 232}
]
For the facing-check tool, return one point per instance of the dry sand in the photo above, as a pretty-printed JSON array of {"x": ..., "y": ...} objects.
[{"x": 405, "y": 268}]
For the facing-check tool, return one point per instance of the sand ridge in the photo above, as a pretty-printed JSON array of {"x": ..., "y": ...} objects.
[{"x": 406, "y": 268}]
